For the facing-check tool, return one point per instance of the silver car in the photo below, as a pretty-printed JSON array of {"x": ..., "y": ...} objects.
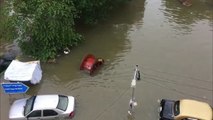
[{"x": 43, "y": 107}]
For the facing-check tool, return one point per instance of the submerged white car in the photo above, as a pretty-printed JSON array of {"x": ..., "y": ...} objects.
[{"x": 43, "y": 107}]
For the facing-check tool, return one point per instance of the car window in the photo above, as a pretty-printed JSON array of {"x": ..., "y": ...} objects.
[
  {"x": 49, "y": 113},
  {"x": 36, "y": 113},
  {"x": 29, "y": 105},
  {"x": 176, "y": 108},
  {"x": 62, "y": 103}
]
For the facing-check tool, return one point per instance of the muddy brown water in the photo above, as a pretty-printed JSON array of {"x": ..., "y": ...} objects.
[{"x": 172, "y": 45}]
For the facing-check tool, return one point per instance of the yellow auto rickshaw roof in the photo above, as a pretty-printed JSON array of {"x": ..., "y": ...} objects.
[{"x": 195, "y": 109}]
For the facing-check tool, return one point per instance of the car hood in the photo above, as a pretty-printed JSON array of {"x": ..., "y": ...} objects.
[{"x": 17, "y": 109}]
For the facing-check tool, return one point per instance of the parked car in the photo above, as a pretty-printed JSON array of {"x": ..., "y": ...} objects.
[
  {"x": 185, "y": 110},
  {"x": 43, "y": 107}
]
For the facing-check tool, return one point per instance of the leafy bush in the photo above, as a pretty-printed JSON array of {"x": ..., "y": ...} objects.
[
  {"x": 7, "y": 30},
  {"x": 44, "y": 27}
]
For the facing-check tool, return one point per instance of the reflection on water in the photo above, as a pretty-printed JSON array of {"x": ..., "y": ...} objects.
[
  {"x": 172, "y": 48},
  {"x": 184, "y": 18}
]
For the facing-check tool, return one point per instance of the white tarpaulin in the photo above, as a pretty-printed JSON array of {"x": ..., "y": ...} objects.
[{"x": 24, "y": 71}]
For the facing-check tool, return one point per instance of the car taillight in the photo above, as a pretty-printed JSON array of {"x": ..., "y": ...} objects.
[{"x": 72, "y": 114}]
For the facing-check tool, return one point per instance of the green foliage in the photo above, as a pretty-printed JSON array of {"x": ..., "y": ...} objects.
[
  {"x": 7, "y": 29},
  {"x": 45, "y": 27}
]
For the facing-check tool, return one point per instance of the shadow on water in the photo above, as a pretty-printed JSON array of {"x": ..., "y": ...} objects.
[{"x": 183, "y": 18}]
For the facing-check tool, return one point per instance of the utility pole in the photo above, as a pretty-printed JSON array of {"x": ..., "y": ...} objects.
[{"x": 132, "y": 102}]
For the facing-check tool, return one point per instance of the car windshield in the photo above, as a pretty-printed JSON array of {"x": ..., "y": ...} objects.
[
  {"x": 29, "y": 105},
  {"x": 176, "y": 108},
  {"x": 62, "y": 103}
]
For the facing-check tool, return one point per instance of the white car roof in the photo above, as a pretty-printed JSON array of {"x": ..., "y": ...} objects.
[{"x": 45, "y": 102}]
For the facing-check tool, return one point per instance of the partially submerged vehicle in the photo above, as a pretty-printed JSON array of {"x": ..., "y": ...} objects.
[
  {"x": 26, "y": 72},
  {"x": 185, "y": 110},
  {"x": 5, "y": 61},
  {"x": 4, "y": 64},
  {"x": 90, "y": 63},
  {"x": 43, "y": 107}
]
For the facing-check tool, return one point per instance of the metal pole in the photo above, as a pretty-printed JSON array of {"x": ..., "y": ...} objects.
[
  {"x": 133, "y": 94},
  {"x": 132, "y": 102}
]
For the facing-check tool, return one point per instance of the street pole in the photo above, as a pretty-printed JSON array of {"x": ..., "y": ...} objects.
[{"x": 132, "y": 102}]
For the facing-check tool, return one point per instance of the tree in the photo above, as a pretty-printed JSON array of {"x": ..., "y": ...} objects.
[{"x": 44, "y": 27}]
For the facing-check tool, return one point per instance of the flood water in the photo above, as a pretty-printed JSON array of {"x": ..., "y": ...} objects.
[{"x": 172, "y": 45}]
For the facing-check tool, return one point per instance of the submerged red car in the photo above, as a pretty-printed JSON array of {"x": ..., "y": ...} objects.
[{"x": 90, "y": 63}]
